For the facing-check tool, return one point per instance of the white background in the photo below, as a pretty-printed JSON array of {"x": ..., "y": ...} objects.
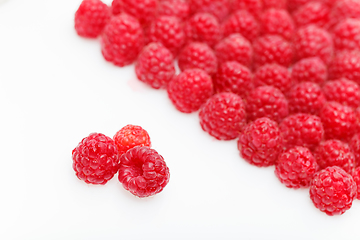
[{"x": 55, "y": 89}]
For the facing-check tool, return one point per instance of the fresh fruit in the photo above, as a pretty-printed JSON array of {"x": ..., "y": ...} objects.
[{"x": 131, "y": 136}]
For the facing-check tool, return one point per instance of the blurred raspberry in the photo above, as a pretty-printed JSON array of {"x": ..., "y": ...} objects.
[
  {"x": 142, "y": 10},
  {"x": 343, "y": 91},
  {"x": 346, "y": 35},
  {"x": 174, "y": 8},
  {"x": 344, "y": 9},
  {"x": 315, "y": 13},
  {"x": 116, "y": 7},
  {"x": 219, "y": 8},
  {"x": 131, "y": 136},
  {"x": 346, "y": 65},
  {"x": 254, "y": 7},
  {"x": 295, "y": 4},
  {"x": 277, "y": 22},
  {"x": 355, "y": 148},
  {"x": 356, "y": 177},
  {"x": 309, "y": 70},
  {"x": 278, "y": 4},
  {"x": 273, "y": 75}
]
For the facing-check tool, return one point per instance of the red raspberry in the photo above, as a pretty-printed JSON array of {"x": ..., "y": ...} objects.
[
  {"x": 306, "y": 97},
  {"x": 277, "y": 22},
  {"x": 95, "y": 159},
  {"x": 219, "y": 8},
  {"x": 356, "y": 177},
  {"x": 260, "y": 142},
  {"x": 266, "y": 101},
  {"x": 273, "y": 75},
  {"x": 169, "y": 31},
  {"x": 116, "y": 7},
  {"x": 338, "y": 121},
  {"x": 234, "y": 48},
  {"x": 346, "y": 65},
  {"x": 272, "y": 49},
  {"x": 278, "y": 4},
  {"x": 254, "y": 7},
  {"x": 302, "y": 130},
  {"x": 241, "y": 22},
  {"x": 347, "y": 35},
  {"x": 332, "y": 191},
  {"x": 311, "y": 41},
  {"x": 155, "y": 66},
  {"x": 143, "y": 171},
  {"x": 343, "y": 91},
  {"x": 122, "y": 40},
  {"x": 355, "y": 148},
  {"x": 233, "y": 77},
  {"x": 175, "y": 8},
  {"x": 198, "y": 55},
  {"x": 190, "y": 89},
  {"x": 223, "y": 116},
  {"x": 344, "y": 9},
  {"x": 309, "y": 70},
  {"x": 203, "y": 27},
  {"x": 143, "y": 10},
  {"x": 91, "y": 18},
  {"x": 131, "y": 136},
  {"x": 296, "y": 167},
  {"x": 315, "y": 13}
]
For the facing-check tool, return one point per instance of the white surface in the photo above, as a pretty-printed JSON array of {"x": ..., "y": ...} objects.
[{"x": 55, "y": 89}]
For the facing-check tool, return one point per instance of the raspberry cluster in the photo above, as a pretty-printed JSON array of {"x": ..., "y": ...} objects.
[{"x": 281, "y": 76}]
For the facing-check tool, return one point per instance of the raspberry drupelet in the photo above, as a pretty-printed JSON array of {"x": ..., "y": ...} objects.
[
  {"x": 260, "y": 142},
  {"x": 296, "y": 167},
  {"x": 96, "y": 159},
  {"x": 343, "y": 91},
  {"x": 346, "y": 65},
  {"x": 143, "y": 171},
  {"x": 131, "y": 136},
  {"x": 273, "y": 75},
  {"x": 175, "y": 8},
  {"x": 346, "y": 35},
  {"x": 311, "y": 69},
  {"x": 356, "y": 177},
  {"x": 315, "y": 13},
  {"x": 355, "y": 148},
  {"x": 143, "y": 10},
  {"x": 219, "y": 8},
  {"x": 277, "y": 22}
]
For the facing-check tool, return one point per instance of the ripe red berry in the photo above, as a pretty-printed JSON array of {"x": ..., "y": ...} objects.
[
  {"x": 91, "y": 18},
  {"x": 174, "y": 8},
  {"x": 344, "y": 9},
  {"x": 219, "y": 8},
  {"x": 223, "y": 116},
  {"x": 122, "y": 40},
  {"x": 190, "y": 89},
  {"x": 142, "y": 10},
  {"x": 343, "y": 91},
  {"x": 355, "y": 148},
  {"x": 333, "y": 190},
  {"x": 273, "y": 75},
  {"x": 260, "y": 142},
  {"x": 346, "y": 35},
  {"x": 254, "y": 7},
  {"x": 296, "y": 167},
  {"x": 198, "y": 55},
  {"x": 266, "y": 101},
  {"x": 95, "y": 159},
  {"x": 315, "y": 13},
  {"x": 143, "y": 172},
  {"x": 310, "y": 69},
  {"x": 346, "y": 65},
  {"x": 277, "y": 22},
  {"x": 356, "y": 177},
  {"x": 131, "y": 136}
]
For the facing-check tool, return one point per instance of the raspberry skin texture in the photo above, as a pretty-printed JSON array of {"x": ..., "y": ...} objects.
[
  {"x": 277, "y": 4},
  {"x": 219, "y": 8},
  {"x": 198, "y": 55},
  {"x": 241, "y": 22},
  {"x": 266, "y": 101},
  {"x": 131, "y": 136},
  {"x": 311, "y": 41},
  {"x": 346, "y": 35},
  {"x": 143, "y": 10},
  {"x": 203, "y": 27},
  {"x": 190, "y": 90},
  {"x": 296, "y": 4},
  {"x": 343, "y": 91},
  {"x": 296, "y": 167},
  {"x": 306, "y": 97},
  {"x": 174, "y": 8},
  {"x": 116, "y": 7},
  {"x": 311, "y": 69},
  {"x": 273, "y": 75},
  {"x": 346, "y": 65},
  {"x": 95, "y": 159},
  {"x": 91, "y": 18},
  {"x": 254, "y": 7},
  {"x": 272, "y": 49},
  {"x": 169, "y": 31},
  {"x": 122, "y": 40},
  {"x": 356, "y": 177},
  {"x": 155, "y": 66},
  {"x": 143, "y": 172},
  {"x": 260, "y": 142},
  {"x": 333, "y": 190},
  {"x": 315, "y": 13},
  {"x": 223, "y": 116},
  {"x": 355, "y": 148},
  {"x": 344, "y": 9},
  {"x": 302, "y": 130},
  {"x": 277, "y": 22},
  {"x": 234, "y": 48},
  {"x": 233, "y": 77}
]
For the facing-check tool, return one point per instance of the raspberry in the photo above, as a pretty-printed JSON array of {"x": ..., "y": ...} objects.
[
  {"x": 91, "y": 18},
  {"x": 233, "y": 77},
  {"x": 122, "y": 40},
  {"x": 309, "y": 70},
  {"x": 223, "y": 116},
  {"x": 219, "y": 8},
  {"x": 143, "y": 10},
  {"x": 332, "y": 191},
  {"x": 347, "y": 35},
  {"x": 278, "y": 4},
  {"x": 254, "y": 7},
  {"x": 169, "y": 31},
  {"x": 343, "y": 91},
  {"x": 95, "y": 159},
  {"x": 241, "y": 22},
  {"x": 143, "y": 171},
  {"x": 203, "y": 27},
  {"x": 311, "y": 41},
  {"x": 273, "y": 75},
  {"x": 131, "y": 136},
  {"x": 356, "y": 177},
  {"x": 277, "y": 22},
  {"x": 355, "y": 148},
  {"x": 315, "y": 13},
  {"x": 306, "y": 97},
  {"x": 234, "y": 48},
  {"x": 272, "y": 49},
  {"x": 198, "y": 55},
  {"x": 116, "y": 7},
  {"x": 190, "y": 89},
  {"x": 296, "y": 167},
  {"x": 344, "y": 9},
  {"x": 338, "y": 121},
  {"x": 175, "y": 8},
  {"x": 266, "y": 101},
  {"x": 260, "y": 142},
  {"x": 335, "y": 153},
  {"x": 346, "y": 65}
]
